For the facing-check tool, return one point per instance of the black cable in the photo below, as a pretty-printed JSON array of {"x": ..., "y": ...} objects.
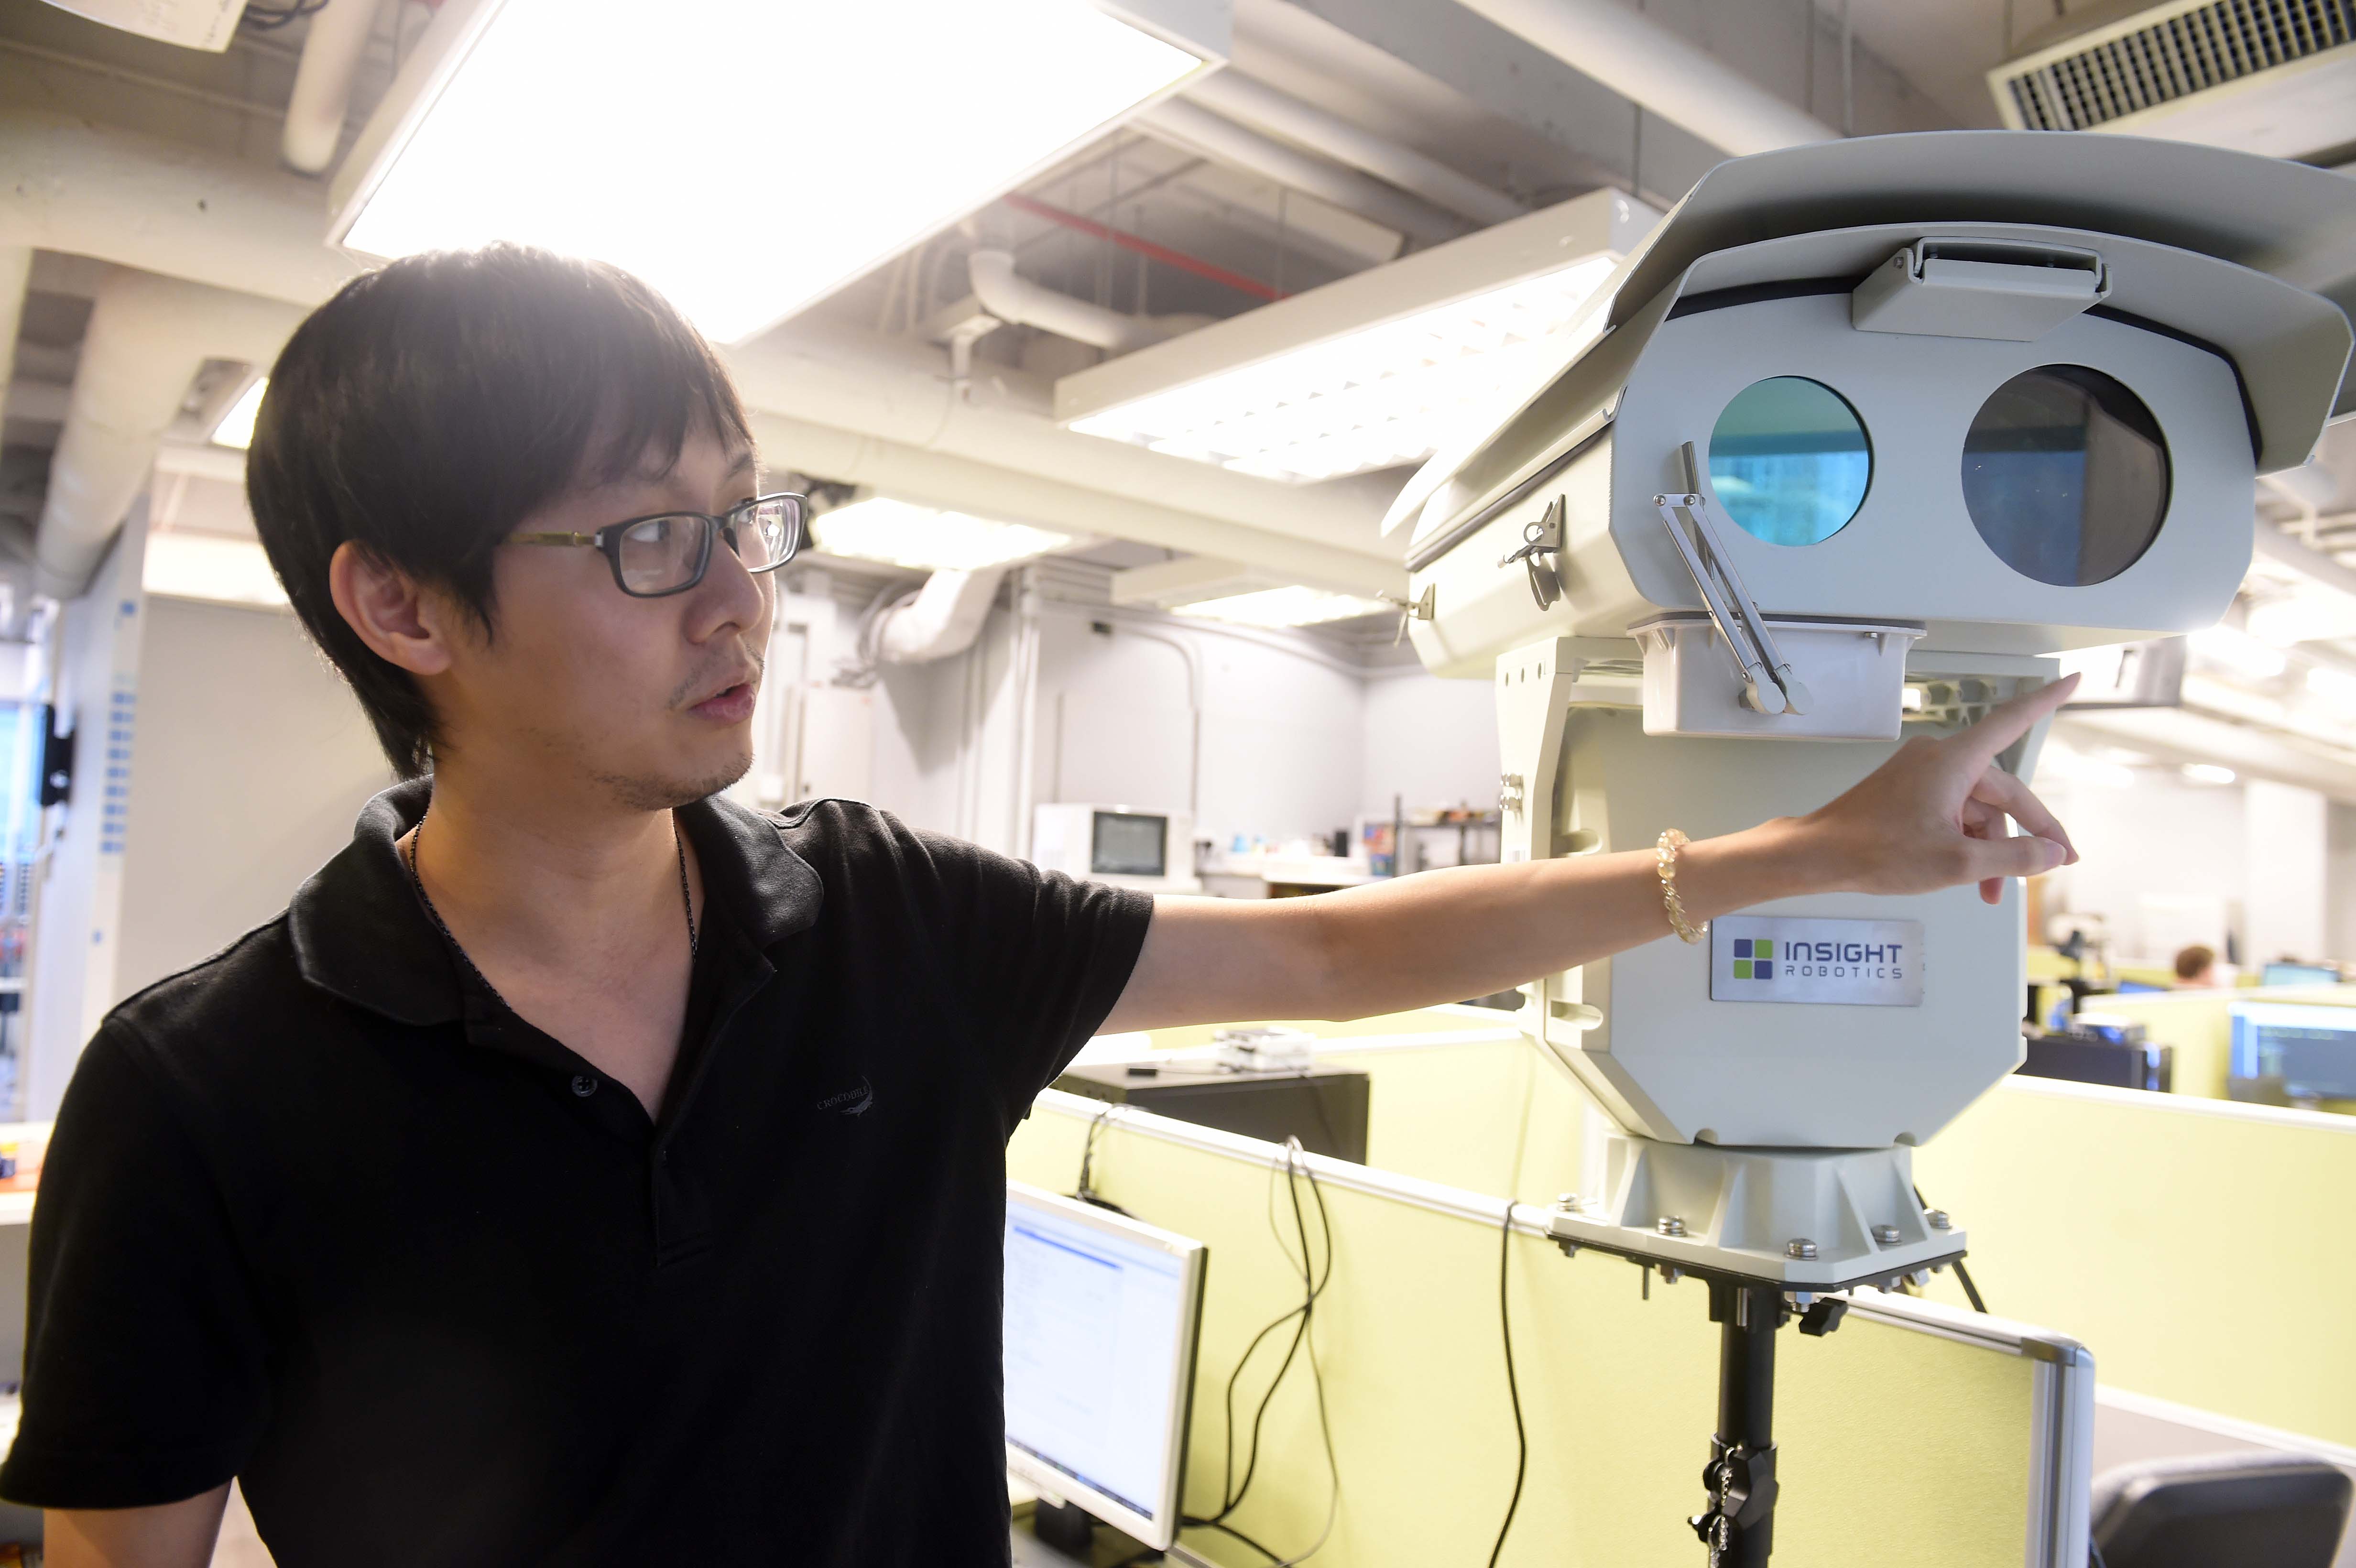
[
  {"x": 1232, "y": 1492},
  {"x": 1314, "y": 1287},
  {"x": 1082, "y": 1191},
  {"x": 1295, "y": 1153},
  {"x": 1232, "y": 1530},
  {"x": 1962, "y": 1275},
  {"x": 1513, "y": 1385},
  {"x": 266, "y": 19}
]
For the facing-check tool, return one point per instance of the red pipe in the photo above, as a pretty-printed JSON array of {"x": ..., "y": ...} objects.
[{"x": 1143, "y": 246}]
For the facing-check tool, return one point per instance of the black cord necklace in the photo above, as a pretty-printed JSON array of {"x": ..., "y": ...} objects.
[{"x": 686, "y": 899}]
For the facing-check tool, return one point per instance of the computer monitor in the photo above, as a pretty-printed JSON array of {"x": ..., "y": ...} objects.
[
  {"x": 2310, "y": 1048},
  {"x": 1129, "y": 847},
  {"x": 2298, "y": 975},
  {"x": 1101, "y": 1316}
]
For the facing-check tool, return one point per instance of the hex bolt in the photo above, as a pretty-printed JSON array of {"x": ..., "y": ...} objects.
[
  {"x": 1566, "y": 1200},
  {"x": 1670, "y": 1276},
  {"x": 1886, "y": 1235},
  {"x": 1801, "y": 1300},
  {"x": 1800, "y": 1247},
  {"x": 1921, "y": 1277},
  {"x": 1672, "y": 1225},
  {"x": 1937, "y": 1220}
]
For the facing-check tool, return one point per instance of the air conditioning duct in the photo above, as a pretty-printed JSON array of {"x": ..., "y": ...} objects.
[{"x": 2277, "y": 77}]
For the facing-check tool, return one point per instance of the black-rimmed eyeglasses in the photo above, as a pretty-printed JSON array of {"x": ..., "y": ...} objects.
[{"x": 668, "y": 552}]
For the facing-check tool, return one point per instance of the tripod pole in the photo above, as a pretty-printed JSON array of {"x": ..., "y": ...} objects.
[{"x": 1740, "y": 1527}]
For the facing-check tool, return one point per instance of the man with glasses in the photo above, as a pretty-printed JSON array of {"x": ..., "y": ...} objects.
[{"x": 584, "y": 1170}]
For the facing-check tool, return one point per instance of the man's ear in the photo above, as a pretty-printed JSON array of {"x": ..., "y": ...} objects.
[{"x": 400, "y": 622}]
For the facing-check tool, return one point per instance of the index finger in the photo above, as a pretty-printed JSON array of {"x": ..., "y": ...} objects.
[{"x": 2007, "y": 722}]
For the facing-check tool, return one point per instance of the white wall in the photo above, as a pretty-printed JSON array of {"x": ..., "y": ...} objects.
[
  {"x": 253, "y": 758},
  {"x": 1429, "y": 742},
  {"x": 2162, "y": 837},
  {"x": 78, "y": 880},
  {"x": 1296, "y": 740},
  {"x": 2287, "y": 838}
]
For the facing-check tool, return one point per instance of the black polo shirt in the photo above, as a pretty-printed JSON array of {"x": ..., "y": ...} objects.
[{"x": 322, "y": 1215}]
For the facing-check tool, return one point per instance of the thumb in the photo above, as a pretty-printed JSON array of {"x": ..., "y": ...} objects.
[{"x": 2020, "y": 855}]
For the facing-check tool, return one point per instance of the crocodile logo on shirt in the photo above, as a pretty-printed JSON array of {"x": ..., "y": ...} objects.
[{"x": 851, "y": 1101}]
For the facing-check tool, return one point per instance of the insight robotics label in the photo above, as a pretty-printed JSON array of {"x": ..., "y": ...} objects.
[{"x": 1853, "y": 962}]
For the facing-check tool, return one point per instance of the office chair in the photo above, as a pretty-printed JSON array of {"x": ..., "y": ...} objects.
[{"x": 2221, "y": 1510}]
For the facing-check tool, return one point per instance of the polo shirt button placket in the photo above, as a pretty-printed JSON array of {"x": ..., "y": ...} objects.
[{"x": 583, "y": 1084}]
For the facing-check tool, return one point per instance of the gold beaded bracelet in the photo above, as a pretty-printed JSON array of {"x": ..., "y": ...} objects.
[{"x": 1664, "y": 856}]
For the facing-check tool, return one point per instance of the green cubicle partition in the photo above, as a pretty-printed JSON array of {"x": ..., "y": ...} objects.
[
  {"x": 2197, "y": 1025},
  {"x": 2194, "y": 1244},
  {"x": 1915, "y": 1434}
]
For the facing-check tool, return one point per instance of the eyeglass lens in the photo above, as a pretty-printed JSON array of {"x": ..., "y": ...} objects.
[{"x": 661, "y": 555}]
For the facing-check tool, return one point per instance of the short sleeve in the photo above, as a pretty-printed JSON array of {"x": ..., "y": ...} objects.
[
  {"x": 145, "y": 1363},
  {"x": 1042, "y": 959}
]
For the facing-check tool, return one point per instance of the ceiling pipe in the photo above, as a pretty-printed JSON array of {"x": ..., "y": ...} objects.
[
  {"x": 2308, "y": 561},
  {"x": 938, "y": 621},
  {"x": 1256, "y": 103},
  {"x": 1011, "y": 297},
  {"x": 97, "y": 190},
  {"x": 147, "y": 337},
  {"x": 332, "y": 52},
  {"x": 1139, "y": 245},
  {"x": 1220, "y": 139},
  {"x": 961, "y": 484},
  {"x": 1638, "y": 58}
]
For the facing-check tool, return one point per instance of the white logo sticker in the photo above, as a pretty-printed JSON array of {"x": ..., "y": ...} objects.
[{"x": 1851, "y": 963}]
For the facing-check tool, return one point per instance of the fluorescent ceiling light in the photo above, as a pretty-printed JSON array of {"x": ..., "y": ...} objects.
[
  {"x": 1370, "y": 372},
  {"x": 925, "y": 538},
  {"x": 209, "y": 566},
  {"x": 2337, "y": 687},
  {"x": 745, "y": 159},
  {"x": 2239, "y": 651},
  {"x": 1290, "y": 606},
  {"x": 236, "y": 427},
  {"x": 2209, "y": 774}
]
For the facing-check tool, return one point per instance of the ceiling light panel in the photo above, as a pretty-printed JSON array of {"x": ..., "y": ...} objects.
[
  {"x": 1370, "y": 372},
  {"x": 746, "y": 159},
  {"x": 236, "y": 426},
  {"x": 1290, "y": 606},
  {"x": 925, "y": 538}
]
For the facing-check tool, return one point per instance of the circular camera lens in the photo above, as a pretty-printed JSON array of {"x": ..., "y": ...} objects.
[
  {"x": 1789, "y": 461},
  {"x": 2066, "y": 476}
]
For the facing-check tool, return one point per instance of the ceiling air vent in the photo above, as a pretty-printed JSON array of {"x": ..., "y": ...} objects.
[{"x": 2266, "y": 76}]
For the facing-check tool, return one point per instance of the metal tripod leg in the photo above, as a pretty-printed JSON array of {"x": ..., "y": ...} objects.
[{"x": 1739, "y": 1526}]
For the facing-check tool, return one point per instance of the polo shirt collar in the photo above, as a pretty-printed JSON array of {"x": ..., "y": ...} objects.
[{"x": 361, "y": 933}]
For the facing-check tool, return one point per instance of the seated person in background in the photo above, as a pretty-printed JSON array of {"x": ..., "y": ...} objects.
[{"x": 2196, "y": 968}]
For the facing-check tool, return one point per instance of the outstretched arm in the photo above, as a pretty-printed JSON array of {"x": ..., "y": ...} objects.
[{"x": 1930, "y": 818}]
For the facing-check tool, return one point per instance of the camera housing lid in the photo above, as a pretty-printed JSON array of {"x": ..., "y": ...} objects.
[{"x": 1922, "y": 318}]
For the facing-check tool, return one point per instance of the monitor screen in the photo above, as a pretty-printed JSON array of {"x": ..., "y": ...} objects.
[
  {"x": 1128, "y": 844},
  {"x": 2298, "y": 975},
  {"x": 1101, "y": 1313},
  {"x": 2312, "y": 1047}
]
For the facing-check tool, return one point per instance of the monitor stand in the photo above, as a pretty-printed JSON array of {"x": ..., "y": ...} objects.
[
  {"x": 1063, "y": 1536},
  {"x": 1069, "y": 1529}
]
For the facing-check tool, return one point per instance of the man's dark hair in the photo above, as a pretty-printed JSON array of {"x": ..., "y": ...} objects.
[
  {"x": 2191, "y": 960},
  {"x": 430, "y": 405}
]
